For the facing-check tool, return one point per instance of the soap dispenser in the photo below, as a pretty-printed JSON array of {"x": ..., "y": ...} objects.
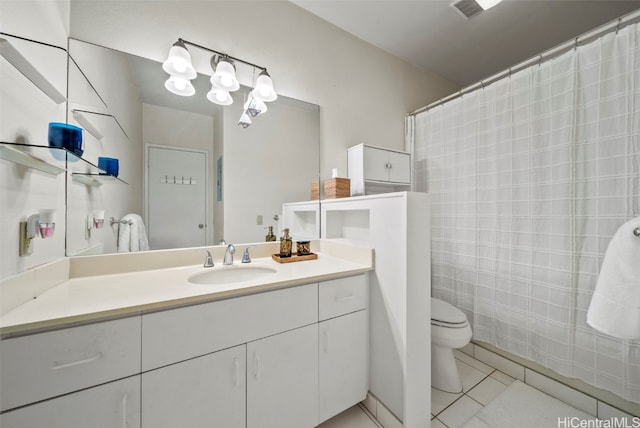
[
  {"x": 270, "y": 236},
  {"x": 285, "y": 244}
]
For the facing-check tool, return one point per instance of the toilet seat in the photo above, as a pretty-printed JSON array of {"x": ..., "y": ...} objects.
[{"x": 443, "y": 314}]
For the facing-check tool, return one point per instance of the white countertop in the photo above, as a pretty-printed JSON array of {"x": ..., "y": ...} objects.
[{"x": 95, "y": 298}]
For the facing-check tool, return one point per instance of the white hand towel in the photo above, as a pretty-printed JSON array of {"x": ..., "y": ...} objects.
[
  {"x": 615, "y": 305},
  {"x": 124, "y": 238},
  {"x": 132, "y": 237}
]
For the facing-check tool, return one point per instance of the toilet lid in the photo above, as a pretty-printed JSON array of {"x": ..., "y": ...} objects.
[{"x": 445, "y": 313}]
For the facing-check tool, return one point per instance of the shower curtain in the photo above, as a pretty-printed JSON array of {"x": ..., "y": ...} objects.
[{"x": 530, "y": 178}]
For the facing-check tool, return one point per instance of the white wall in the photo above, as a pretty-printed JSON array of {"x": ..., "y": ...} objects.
[
  {"x": 178, "y": 128},
  {"x": 24, "y": 116},
  {"x": 363, "y": 92}
]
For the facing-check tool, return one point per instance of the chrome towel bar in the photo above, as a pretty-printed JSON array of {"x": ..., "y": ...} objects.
[{"x": 113, "y": 221}]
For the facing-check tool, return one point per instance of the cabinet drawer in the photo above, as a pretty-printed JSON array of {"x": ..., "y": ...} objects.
[
  {"x": 179, "y": 334},
  {"x": 112, "y": 405},
  {"x": 341, "y": 296},
  {"x": 44, "y": 365}
]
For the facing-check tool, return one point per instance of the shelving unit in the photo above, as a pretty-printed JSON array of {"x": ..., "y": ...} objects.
[
  {"x": 40, "y": 158},
  {"x": 13, "y": 153},
  {"x": 15, "y": 58},
  {"x": 95, "y": 180}
]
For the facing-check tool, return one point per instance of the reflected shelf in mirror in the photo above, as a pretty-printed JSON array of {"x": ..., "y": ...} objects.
[
  {"x": 99, "y": 124},
  {"x": 95, "y": 180}
]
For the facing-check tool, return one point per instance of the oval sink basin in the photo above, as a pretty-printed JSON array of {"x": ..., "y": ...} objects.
[{"x": 230, "y": 274}]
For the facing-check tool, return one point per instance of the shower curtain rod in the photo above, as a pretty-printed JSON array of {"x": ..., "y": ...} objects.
[{"x": 615, "y": 25}]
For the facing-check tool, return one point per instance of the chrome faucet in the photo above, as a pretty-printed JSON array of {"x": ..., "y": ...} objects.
[
  {"x": 228, "y": 255},
  {"x": 209, "y": 260}
]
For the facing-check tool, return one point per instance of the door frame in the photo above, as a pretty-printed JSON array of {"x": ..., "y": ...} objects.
[{"x": 145, "y": 185}]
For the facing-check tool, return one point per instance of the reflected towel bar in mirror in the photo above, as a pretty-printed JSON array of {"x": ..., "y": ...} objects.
[{"x": 113, "y": 221}]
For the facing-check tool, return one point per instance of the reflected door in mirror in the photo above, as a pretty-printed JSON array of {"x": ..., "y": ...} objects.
[{"x": 177, "y": 195}]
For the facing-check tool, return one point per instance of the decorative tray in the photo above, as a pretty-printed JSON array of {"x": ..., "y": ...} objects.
[{"x": 294, "y": 258}]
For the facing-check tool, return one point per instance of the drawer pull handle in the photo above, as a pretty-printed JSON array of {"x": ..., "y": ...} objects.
[
  {"x": 345, "y": 298},
  {"x": 58, "y": 366},
  {"x": 124, "y": 410},
  {"x": 326, "y": 342},
  {"x": 237, "y": 367}
]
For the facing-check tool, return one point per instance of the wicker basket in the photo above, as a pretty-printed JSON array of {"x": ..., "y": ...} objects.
[{"x": 337, "y": 188}]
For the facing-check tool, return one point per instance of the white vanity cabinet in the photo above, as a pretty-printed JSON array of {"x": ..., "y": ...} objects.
[
  {"x": 251, "y": 361},
  {"x": 343, "y": 345},
  {"x": 208, "y": 391},
  {"x": 112, "y": 405},
  {"x": 46, "y": 365},
  {"x": 282, "y": 380},
  {"x": 375, "y": 170}
]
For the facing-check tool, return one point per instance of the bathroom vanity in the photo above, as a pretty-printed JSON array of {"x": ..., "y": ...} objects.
[{"x": 288, "y": 349}]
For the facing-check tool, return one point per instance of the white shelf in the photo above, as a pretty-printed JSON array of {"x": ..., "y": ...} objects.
[
  {"x": 14, "y": 154},
  {"x": 15, "y": 58},
  {"x": 95, "y": 180}
]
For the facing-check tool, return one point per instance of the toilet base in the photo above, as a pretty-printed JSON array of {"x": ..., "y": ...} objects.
[{"x": 444, "y": 372}]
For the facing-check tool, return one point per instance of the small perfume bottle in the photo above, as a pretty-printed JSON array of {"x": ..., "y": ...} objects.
[
  {"x": 285, "y": 244},
  {"x": 270, "y": 236}
]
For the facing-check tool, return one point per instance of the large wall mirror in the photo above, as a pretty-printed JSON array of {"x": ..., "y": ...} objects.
[{"x": 185, "y": 166}]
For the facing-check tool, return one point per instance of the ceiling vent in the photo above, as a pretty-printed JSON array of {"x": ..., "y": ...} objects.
[{"x": 467, "y": 8}]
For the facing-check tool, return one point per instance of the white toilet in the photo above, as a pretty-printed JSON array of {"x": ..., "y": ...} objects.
[{"x": 449, "y": 330}]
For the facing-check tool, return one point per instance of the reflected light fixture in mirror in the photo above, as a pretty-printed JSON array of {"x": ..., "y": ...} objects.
[
  {"x": 245, "y": 120},
  {"x": 219, "y": 96},
  {"x": 223, "y": 80}
]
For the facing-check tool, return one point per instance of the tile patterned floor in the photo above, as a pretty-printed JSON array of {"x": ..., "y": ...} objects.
[{"x": 480, "y": 383}]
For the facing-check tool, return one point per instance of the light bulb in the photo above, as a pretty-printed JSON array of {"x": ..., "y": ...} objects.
[
  {"x": 226, "y": 81},
  {"x": 180, "y": 66},
  {"x": 180, "y": 84}
]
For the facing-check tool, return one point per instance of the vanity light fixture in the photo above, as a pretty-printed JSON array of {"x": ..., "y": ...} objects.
[
  {"x": 224, "y": 76},
  {"x": 219, "y": 96},
  {"x": 223, "y": 80},
  {"x": 179, "y": 86},
  {"x": 178, "y": 63},
  {"x": 264, "y": 88}
]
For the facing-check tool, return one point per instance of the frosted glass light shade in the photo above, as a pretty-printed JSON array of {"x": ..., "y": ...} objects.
[
  {"x": 255, "y": 107},
  {"x": 487, "y": 4},
  {"x": 264, "y": 88},
  {"x": 179, "y": 86},
  {"x": 219, "y": 96},
  {"x": 245, "y": 120},
  {"x": 179, "y": 62},
  {"x": 225, "y": 76}
]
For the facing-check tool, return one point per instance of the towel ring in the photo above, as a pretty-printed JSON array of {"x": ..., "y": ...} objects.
[{"x": 636, "y": 231}]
